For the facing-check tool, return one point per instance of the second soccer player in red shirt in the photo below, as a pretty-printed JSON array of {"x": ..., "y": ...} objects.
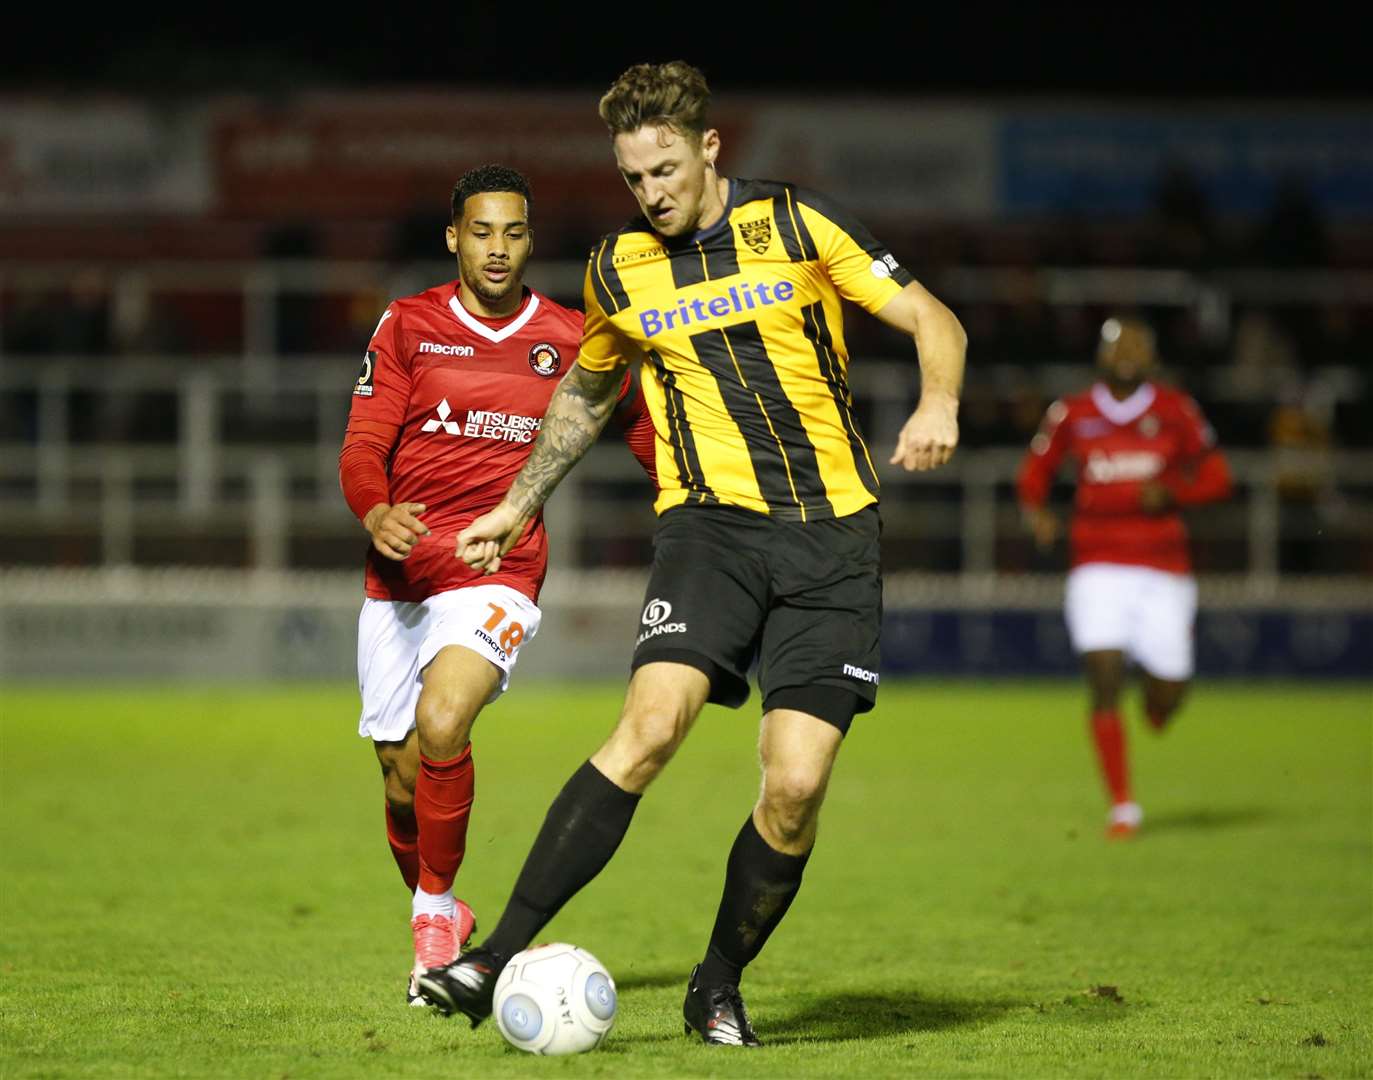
[{"x": 1143, "y": 453}]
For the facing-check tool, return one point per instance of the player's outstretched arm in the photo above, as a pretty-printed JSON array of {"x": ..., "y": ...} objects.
[
  {"x": 578, "y": 411},
  {"x": 928, "y": 438}
]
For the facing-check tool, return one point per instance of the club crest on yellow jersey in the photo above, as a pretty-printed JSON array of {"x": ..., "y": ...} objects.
[{"x": 756, "y": 234}]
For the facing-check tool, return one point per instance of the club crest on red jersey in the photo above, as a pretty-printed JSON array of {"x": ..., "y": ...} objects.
[
  {"x": 364, "y": 386},
  {"x": 545, "y": 359},
  {"x": 1148, "y": 427}
]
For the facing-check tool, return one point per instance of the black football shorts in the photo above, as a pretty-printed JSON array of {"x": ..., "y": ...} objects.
[{"x": 804, "y": 599}]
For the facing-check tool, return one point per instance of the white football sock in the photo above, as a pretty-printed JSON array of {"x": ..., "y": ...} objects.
[
  {"x": 433, "y": 904},
  {"x": 1127, "y": 813}
]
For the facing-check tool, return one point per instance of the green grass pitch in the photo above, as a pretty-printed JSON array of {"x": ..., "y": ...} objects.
[{"x": 196, "y": 883}]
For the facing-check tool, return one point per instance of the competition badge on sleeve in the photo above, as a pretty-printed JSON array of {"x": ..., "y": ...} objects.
[{"x": 363, "y": 387}]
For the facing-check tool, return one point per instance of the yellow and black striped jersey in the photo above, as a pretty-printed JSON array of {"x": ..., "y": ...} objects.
[{"x": 741, "y": 331}]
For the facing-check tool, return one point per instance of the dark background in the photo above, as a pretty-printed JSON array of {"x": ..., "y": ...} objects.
[{"x": 1289, "y": 52}]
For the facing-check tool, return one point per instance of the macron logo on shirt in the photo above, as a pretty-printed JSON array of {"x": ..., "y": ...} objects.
[{"x": 447, "y": 350}]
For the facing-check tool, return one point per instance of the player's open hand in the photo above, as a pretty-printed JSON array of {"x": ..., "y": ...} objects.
[
  {"x": 929, "y": 437},
  {"x": 396, "y": 529},
  {"x": 482, "y": 543}
]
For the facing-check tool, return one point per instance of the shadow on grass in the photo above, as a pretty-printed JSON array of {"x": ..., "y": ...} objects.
[
  {"x": 1208, "y": 818},
  {"x": 860, "y": 1014},
  {"x": 844, "y": 1016},
  {"x": 866, "y": 1015}
]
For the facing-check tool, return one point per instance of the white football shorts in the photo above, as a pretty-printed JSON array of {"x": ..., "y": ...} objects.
[
  {"x": 1145, "y": 613},
  {"x": 398, "y": 640}
]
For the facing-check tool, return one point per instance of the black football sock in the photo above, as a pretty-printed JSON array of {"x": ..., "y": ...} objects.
[
  {"x": 760, "y": 884},
  {"x": 583, "y": 828}
]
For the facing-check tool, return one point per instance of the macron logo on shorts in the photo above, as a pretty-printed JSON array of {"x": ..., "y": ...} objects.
[
  {"x": 493, "y": 643},
  {"x": 656, "y": 614},
  {"x": 862, "y": 673}
]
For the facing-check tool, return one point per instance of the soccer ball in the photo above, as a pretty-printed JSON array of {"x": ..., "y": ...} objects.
[{"x": 554, "y": 999}]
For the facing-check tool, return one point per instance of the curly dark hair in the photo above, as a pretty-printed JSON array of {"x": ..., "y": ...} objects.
[
  {"x": 674, "y": 94},
  {"x": 488, "y": 178}
]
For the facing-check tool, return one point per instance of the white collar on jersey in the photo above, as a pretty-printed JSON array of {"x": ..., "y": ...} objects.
[
  {"x": 1119, "y": 412},
  {"x": 514, "y": 326}
]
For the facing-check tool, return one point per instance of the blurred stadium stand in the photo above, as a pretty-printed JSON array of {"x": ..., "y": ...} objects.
[{"x": 185, "y": 295}]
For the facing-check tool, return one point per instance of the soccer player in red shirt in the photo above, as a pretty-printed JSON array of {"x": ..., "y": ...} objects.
[
  {"x": 451, "y": 394},
  {"x": 1143, "y": 453}
]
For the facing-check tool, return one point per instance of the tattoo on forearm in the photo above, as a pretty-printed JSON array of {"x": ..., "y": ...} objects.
[{"x": 579, "y": 410}]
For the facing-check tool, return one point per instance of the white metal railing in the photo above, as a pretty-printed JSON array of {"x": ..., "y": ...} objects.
[
  {"x": 95, "y": 490},
  {"x": 260, "y": 283},
  {"x": 312, "y": 396},
  {"x": 121, "y": 488}
]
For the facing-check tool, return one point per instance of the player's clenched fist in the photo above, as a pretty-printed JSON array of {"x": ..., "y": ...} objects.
[
  {"x": 395, "y": 529},
  {"x": 482, "y": 543},
  {"x": 929, "y": 437}
]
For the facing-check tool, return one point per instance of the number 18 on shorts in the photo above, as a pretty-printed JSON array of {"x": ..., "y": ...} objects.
[{"x": 398, "y": 640}]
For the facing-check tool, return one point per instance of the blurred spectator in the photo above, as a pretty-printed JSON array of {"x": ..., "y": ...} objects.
[
  {"x": 74, "y": 322},
  {"x": 1344, "y": 338},
  {"x": 27, "y": 326},
  {"x": 84, "y": 328},
  {"x": 1302, "y": 441},
  {"x": 1186, "y": 347},
  {"x": 1300, "y": 436},
  {"x": 980, "y": 421},
  {"x": 1027, "y": 330},
  {"x": 1183, "y": 228},
  {"x": 1262, "y": 347},
  {"x": 1024, "y": 412},
  {"x": 1293, "y": 233}
]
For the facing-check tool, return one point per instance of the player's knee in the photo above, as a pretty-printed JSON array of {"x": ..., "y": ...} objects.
[
  {"x": 788, "y": 826},
  {"x": 444, "y": 721},
  {"x": 654, "y": 734},
  {"x": 794, "y": 785},
  {"x": 791, "y": 799},
  {"x": 647, "y": 737}
]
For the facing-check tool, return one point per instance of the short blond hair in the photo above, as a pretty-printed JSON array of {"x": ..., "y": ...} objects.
[{"x": 673, "y": 95}]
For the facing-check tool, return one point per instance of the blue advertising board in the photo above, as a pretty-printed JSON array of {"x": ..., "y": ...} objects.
[
  {"x": 1111, "y": 161},
  {"x": 1249, "y": 643}
]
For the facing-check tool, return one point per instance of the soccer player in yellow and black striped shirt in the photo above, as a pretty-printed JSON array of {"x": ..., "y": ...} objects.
[{"x": 729, "y": 293}]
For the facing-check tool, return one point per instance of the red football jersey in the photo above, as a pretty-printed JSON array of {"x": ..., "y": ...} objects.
[
  {"x": 1155, "y": 435},
  {"x": 444, "y": 413}
]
